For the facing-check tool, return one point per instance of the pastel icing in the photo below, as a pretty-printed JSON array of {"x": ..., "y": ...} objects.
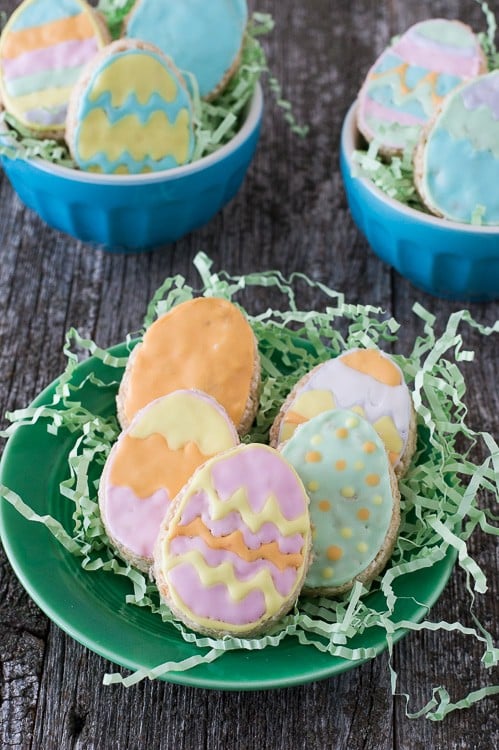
[
  {"x": 203, "y": 38},
  {"x": 134, "y": 116},
  {"x": 408, "y": 82},
  {"x": 461, "y": 155},
  {"x": 234, "y": 553},
  {"x": 154, "y": 458},
  {"x": 367, "y": 381},
  {"x": 343, "y": 464},
  {"x": 43, "y": 49},
  {"x": 204, "y": 343}
]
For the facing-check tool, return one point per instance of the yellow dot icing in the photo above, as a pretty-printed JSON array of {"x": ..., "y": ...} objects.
[
  {"x": 346, "y": 532},
  {"x": 347, "y": 492}
]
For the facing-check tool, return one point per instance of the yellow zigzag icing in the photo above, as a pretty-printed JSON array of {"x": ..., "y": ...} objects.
[
  {"x": 224, "y": 573},
  {"x": 142, "y": 74},
  {"x": 270, "y": 512},
  {"x": 155, "y": 139}
]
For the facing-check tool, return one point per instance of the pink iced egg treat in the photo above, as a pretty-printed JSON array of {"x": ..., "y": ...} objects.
[
  {"x": 233, "y": 549},
  {"x": 152, "y": 460},
  {"x": 410, "y": 79}
]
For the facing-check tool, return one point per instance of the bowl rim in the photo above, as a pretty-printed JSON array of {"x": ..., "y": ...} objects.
[
  {"x": 349, "y": 134},
  {"x": 255, "y": 110}
]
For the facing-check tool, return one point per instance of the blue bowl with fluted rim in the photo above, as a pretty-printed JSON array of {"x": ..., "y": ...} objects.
[
  {"x": 132, "y": 213},
  {"x": 444, "y": 258}
]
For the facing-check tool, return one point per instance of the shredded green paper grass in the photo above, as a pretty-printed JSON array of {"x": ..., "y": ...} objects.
[
  {"x": 395, "y": 176},
  {"x": 439, "y": 493},
  {"x": 215, "y": 123}
]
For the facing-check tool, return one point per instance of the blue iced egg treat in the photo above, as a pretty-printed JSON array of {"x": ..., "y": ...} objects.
[
  {"x": 457, "y": 161},
  {"x": 204, "y": 37}
]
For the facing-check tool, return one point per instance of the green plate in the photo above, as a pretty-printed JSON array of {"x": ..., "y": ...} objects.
[{"x": 91, "y": 607}]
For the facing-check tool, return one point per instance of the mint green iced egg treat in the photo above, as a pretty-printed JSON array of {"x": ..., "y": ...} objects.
[{"x": 354, "y": 498}]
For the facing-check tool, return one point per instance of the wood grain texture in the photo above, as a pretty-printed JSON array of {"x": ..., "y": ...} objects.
[{"x": 291, "y": 214}]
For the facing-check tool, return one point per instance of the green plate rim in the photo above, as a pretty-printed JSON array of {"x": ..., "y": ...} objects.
[{"x": 219, "y": 675}]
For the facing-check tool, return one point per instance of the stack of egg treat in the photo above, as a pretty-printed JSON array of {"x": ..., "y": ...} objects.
[
  {"x": 233, "y": 533},
  {"x": 432, "y": 96},
  {"x": 123, "y": 107}
]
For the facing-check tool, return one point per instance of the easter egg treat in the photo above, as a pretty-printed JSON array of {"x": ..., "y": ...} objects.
[
  {"x": 150, "y": 463},
  {"x": 43, "y": 50},
  {"x": 367, "y": 381},
  {"x": 204, "y": 38},
  {"x": 457, "y": 159},
  {"x": 410, "y": 79},
  {"x": 354, "y": 499},
  {"x": 234, "y": 546},
  {"x": 205, "y": 343},
  {"x": 130, "y": 112}
]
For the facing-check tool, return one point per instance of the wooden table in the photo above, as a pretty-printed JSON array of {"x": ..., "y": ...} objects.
[{"x": 291, "y": 214}]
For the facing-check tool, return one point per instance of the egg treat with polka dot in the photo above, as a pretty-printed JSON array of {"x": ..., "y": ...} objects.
[
  {"x": 204, "y": 38},
  {"x": 130, "y": 112},
  {"x": 43, "y": 50},
  {"x": 367, "y": 381},
  {"x": 354, "y": 499},
  {"x": 204, "y": 343},
  {"x": 234, "y": 546},
  {"x": 457, "y": 159},
  {"x": 151, "y": 462},
  {"x": 410, "y": 79}
]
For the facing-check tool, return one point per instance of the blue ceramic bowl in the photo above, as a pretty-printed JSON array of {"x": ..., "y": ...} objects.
[
  {"x": 444, "y": 258},
  {"x": 131, "y": 213}
]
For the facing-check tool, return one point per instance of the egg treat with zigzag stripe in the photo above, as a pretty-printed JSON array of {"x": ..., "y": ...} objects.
[
  {"x": 204, "y": 343},
  {"x": 410, "y": 79},
  {"x": 150, "y": 463},
  {"x": 234, "y": 546},
  {"x": 43, "y": 50},
  {"x": 354, "y": 499},
  {"x": 204, "y": 38},
  {"x": 367, "y": 381},
  {"x": 130, "y": 112}
]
